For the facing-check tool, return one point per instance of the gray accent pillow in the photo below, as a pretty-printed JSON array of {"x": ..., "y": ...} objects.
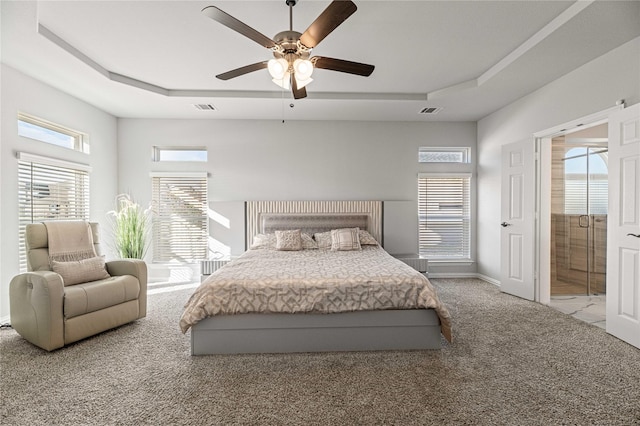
[
  {"x": 289, "y": 240},
  {"x": 323, "y": 239},
  {"x": 81, "y": 271},
  {"x": 308, "y": 243},
  {"x": 366, "y": 238}
]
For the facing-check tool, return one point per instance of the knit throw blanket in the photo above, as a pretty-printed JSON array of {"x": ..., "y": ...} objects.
[{"x": 70, "y": 241}]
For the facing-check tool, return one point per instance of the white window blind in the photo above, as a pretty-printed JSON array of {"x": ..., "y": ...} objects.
[
  {"x": 577, "y": 189},
  {"x": 48, "y": 191},
  {"x": 180, "y": 222},
  {"x": 444, "y": 213}
]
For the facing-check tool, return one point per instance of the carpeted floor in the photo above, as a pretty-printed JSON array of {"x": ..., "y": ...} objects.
[{"x": 513, "y": 362}]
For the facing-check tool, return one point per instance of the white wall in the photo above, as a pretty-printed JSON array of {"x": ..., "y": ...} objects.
[
  {"x": 591, "y": 88},
  {"x": 295, "y": 160},
  {"x": 21, "y": 93}
]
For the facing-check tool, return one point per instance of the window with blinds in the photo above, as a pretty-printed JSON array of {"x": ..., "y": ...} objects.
[
  {"x": 586, "y": 181},
  {"x": 180, "y": 222},
  {"x": 444, "y": 215},
  {"x": 50, "y": 190}
]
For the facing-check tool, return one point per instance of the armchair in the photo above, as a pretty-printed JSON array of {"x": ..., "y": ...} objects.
[{"x": 51, "y": 314}]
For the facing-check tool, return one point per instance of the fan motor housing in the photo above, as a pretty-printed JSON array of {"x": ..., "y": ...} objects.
[{"x": 288, "y": 41}]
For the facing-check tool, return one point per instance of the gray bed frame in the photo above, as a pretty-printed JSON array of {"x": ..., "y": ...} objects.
[{"x": 312, "y": 332}]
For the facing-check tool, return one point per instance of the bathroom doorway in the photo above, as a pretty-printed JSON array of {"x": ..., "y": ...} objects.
[{"x": 579, "y": 204}]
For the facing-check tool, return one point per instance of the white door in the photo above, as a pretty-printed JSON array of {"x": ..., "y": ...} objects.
[
  {"x": 517, "y": 220},
  {"x": 623, "y": 228}
]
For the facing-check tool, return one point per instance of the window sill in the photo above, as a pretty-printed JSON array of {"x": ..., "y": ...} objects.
[{"x": 450, "y": 261}]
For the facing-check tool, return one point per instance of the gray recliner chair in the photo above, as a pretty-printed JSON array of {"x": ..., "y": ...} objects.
[{"x": 51, "y": 315}]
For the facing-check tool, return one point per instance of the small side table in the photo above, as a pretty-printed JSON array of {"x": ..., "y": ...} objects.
[{"x": 415, "y": 261}]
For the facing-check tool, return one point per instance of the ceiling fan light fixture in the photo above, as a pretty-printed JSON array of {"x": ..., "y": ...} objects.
[
  {"x": 278, "y": 68},
  {"x": 283, "y": 82},
  {"x": 301, "y": 83},
  {"x": 303, "y": 69}
]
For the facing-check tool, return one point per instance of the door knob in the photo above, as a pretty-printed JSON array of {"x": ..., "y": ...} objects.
[
  {"x": 505, "y": 224},
  {"x": 634, "y": 235}
]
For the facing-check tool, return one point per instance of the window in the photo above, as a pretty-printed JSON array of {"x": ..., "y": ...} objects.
[
  {"x": 50, "y": 189},
  {"x": 444, "y": 215},
  {"x": 44, "y": 131},
  {"x": 586, "y": 181},
  {"x": 179, "y": 203},
  {"x": 443, "y": 155},
  {"x": 179, "y": 154}
]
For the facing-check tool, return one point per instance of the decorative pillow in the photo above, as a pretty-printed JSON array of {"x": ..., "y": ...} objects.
[
  {"x": 289, "y": 240},
  {"x": 308, "y": 242},
  {"x": 263, "y": 241},
  {"x": 345, "y": 239},
  {"x": 366, "y": 238},
  {"x": 81, "y": 271},
  {"x": 323, "y": 239}
]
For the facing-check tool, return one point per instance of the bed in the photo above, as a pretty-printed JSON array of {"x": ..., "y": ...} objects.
[{"x": 314, "y": 299}]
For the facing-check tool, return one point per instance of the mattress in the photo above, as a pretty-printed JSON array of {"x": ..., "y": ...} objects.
[{"x": 313, "y": 281}]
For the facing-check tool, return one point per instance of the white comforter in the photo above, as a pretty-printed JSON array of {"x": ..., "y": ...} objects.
[{"x": 267, "y": 280}]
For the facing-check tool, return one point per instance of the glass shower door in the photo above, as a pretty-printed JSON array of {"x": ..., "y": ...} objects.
[{"x": 580, "y": 229}]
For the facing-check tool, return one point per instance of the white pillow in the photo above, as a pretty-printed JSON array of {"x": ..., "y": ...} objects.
[
  {"x": 289, "y": 240},
  {"x": 345, "y": 239},
  {"x": 81, "y": 271},
  {"x": 263, "y": 241}
]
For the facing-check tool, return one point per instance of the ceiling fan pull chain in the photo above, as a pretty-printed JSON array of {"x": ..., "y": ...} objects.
[{"x": 282, "y": 102}]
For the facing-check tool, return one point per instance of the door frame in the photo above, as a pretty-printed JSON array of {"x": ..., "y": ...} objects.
[{"x": 542, "y": 233}]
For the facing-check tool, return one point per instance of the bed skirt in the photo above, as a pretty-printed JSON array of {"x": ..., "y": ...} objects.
[{"x": 304, "y": 332}]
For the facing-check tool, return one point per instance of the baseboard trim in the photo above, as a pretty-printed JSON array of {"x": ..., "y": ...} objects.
[
  {"x": 464, "y": 275},
  {"x": 453, "y": 275},
  {"x": 489, "y": 280},
  {"x": 5, "y": 320}
]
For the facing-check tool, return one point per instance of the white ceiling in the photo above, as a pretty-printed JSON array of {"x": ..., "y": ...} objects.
[{"x": 468, "y": 57}]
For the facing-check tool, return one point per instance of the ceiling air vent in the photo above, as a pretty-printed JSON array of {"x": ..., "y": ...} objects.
[
  {"x": 430, "y": 110},
  {"x": 205, "y": 107}
]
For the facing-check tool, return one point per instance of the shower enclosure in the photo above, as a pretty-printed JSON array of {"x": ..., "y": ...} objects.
[{"x": 578, "y": 217}]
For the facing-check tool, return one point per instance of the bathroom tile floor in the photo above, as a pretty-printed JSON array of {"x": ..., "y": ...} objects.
[{"x": 591, "y": 309}]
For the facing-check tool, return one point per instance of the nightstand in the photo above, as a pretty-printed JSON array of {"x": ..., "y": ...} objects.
[{"x": 415, "y": 261}]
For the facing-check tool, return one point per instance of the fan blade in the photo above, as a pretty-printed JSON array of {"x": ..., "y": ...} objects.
[
  {"x": 238, "y": 26},
  {"x": 342, "y": 66},
  {"x": 335, "y": 14},
  {"x": 242, "y": 70},
  {"x": 297, "y": 93}
]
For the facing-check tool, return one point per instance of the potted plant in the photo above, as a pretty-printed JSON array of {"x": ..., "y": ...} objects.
[{"x": 131, "y": 226}]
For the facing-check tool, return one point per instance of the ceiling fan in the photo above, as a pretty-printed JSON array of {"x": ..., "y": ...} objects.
[{"x": 293, "y": 65}]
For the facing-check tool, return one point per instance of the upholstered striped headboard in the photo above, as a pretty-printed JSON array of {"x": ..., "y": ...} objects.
[
  {"x": 311, "y": 222},
  {"x": 313, "y": 216}
]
